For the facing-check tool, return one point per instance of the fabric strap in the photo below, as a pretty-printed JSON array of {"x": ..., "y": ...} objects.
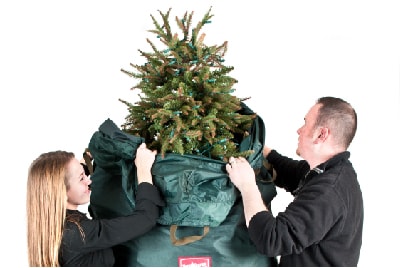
[
  {"x": 187, "y": 239},
  {"x": 88, "y": 161}
]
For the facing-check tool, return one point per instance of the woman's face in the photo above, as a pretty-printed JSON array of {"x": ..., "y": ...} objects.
[{"x": 78, "y": 192}]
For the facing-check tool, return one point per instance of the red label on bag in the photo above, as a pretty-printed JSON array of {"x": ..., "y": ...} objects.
[{"x": 195, "y": 261}]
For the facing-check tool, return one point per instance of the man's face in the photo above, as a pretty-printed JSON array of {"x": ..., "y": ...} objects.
[{"x": 307, "y": 133}]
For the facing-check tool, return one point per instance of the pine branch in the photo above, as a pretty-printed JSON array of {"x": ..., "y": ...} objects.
[{"x": 186, "y": 105}]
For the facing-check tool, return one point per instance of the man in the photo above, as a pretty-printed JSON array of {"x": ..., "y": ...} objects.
[{"x": 322, "y": 226}]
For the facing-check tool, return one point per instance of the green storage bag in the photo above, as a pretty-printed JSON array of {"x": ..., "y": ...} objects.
[{"x": 203, "y": 221}]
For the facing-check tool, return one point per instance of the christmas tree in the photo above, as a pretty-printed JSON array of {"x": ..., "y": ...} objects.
[{"x": 186, "y": 102}]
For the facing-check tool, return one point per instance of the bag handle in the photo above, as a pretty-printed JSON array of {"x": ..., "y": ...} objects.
[
  {"x": 187, "y": 239},
  {"x": 88, "y": 160}
]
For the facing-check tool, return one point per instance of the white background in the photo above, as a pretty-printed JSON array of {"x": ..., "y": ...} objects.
[{"x": 60, "y": 79}]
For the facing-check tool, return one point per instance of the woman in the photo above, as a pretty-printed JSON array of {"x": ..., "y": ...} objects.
[{"x": 59, "y": 234}]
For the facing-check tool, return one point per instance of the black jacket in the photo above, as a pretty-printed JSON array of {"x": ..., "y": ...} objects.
[
  {"x": 323, "y": 225},
  {"x": 91, "y": 243}
]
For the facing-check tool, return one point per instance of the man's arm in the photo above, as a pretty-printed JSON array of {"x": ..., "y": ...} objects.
[{"x": 242, "y": 176}]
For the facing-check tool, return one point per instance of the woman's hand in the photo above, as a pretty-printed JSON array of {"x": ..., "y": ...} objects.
[{"x": 144, "y": 161}]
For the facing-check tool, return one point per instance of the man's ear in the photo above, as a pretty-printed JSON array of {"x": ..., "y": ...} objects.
[{"x": 323, "y": 134}]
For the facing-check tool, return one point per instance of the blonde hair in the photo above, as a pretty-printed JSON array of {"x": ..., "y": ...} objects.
[{"x": 46, "y": 206}]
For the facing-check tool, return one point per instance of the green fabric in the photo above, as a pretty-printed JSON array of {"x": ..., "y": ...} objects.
[
  {"x": 227, "y": 244},
  {"x": 113, "y": 186},
  {"x": 197, "y": 191}
]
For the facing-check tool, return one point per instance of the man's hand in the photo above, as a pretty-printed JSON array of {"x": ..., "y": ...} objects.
[
  {"x": 242, "y": 176},
  {"x": 266, "y": 151},
  {"x": 241, "y": 173}
]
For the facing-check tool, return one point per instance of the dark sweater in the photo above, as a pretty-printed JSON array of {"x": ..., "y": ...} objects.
[
  {"x": 92, "y": 246},
  {"x": 323, "y": 225}
]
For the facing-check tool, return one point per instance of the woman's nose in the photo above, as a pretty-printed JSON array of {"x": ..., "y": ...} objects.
[{"x": 88, "y": 180}]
